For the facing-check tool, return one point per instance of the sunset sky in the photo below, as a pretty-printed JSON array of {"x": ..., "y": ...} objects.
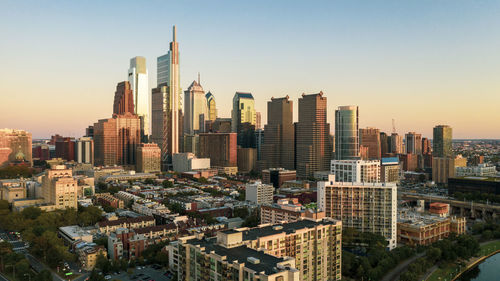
[{"x": 420, "y": 62}]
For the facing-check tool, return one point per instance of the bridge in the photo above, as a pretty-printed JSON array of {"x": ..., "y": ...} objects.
[{"x": 463, "y": 208}]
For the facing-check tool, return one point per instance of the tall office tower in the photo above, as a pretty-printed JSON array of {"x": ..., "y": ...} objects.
[
  {"x": 220, "y": 148},
  {"x": 116, "y": 140},
  {"x": 59, "y": 188},
  {"x": 212, "y": 109},
  {"x": 385, "y": 144},
  {"x": 15, "y": 147},
  {"x": 426, "y": 146},
  {"x": 346, "y": 133},
  {"x": 278, "y": 148},
  {"x": 148, "y": 158},
  {"x": 441, "y": 141},
  {"x": 396, "y": 143},
  {"x": 258, "y": 120},
  {"x": 124, "y": 99},
  {"x": 166, "y": 103},
  {"x": 413, "y": 143},
  {"x": 138, "y": 79},
  {"x": 195, "y": 108},
  {"x": 367, "y": 207},
  {"x": 370, "y": 137},
  {"x": 259, "y": 142},
  {"x": 243, "y": 111},
  {"x": 356, "y": 170},
  {"x": 65, "y": 149},
  {"x": 85, "y": 150},
  {"x": 313, "y": 146}
]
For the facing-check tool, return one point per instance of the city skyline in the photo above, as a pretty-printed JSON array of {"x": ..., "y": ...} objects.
[{"x": 422, "y": 72}]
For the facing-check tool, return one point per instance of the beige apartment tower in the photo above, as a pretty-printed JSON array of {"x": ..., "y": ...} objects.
[
  {"x": 59, "y": 188},
  {"x": 148, "y": 158}
]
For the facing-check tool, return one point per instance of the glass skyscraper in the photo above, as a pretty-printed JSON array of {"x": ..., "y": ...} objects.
[
  {"x": 441, "y": 141},
  {"x": 138, "y": 79},
  {"x": 347, "y": 133}
]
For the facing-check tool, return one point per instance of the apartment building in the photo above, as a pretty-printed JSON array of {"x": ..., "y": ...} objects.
[
  {"x": 287, "y": 210},
  {"x": 128, "y": 223},
  {"x": 109, "y": 200},
  {"x": 259, "y": 193},
  {"x": 356, "y": 170},
  {"x": 367, "y": 207},
  {"x": 308, "y": 250}
]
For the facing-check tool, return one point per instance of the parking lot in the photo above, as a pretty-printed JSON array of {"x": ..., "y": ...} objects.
[{"x": 142, "y": 274}]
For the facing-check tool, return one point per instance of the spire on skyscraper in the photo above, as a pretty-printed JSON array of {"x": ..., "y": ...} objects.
[{"x": 175, "y": 33}]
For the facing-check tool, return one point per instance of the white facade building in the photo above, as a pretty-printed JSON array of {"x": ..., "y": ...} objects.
[
  {"x": 85, "y": 150},
  {"x": 195, "y": 109},
  {"x": 259, "y": 193},
  {"x": 356, "y": 170},
  {"x": 138, "y": 79},
  {"x": 481, "y": 170},
  {"x": 185, "y": 162},
  {"x": 367, "y": 207}
]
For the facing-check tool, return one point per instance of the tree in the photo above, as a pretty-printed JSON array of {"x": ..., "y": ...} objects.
[
  {"x": 103, "y": 264},
  {"x": 167, "y": 184},
  {"x": 31, "y": 213},
  {"x": 433, "y": 254},
  {"x": 44, "y": 275},
  {"x": 94, "y": 276},
  {"x": 4, "y": 205},
  {"x": 149, "y": 181},
  {"x": 241, "y": 212},
  {"x": 22, "y": 268}
]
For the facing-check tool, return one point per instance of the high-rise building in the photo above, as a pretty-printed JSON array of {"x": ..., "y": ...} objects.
[
  {"x": 259, "y": 193},
  {"x": 243, "y": 111},
  {"x": 258, "y": 120},
  {"x": 278, "y": 148},
  {"x": 367, "y": 207},
  {"x": 212, "y": 108},
  {"x": 59, "y": 188},
  {"x": 356, "y": 170},
  {"x": 148, "y": 158},
  {"x": 15, "y": 147},
  {"x": 195, "y": 109},
  {"x": 441, "y": 141},
  {"x": 346, "y": 133},
  {"x": 390, "y": 170},
  {"x": 413, "y": 143},
  {"x": 124, "y": 99},
  {"x": 221, "y": 148},
  {"x": 227, "y": 258},
  {"x": 426, "y": 146},
  {"x": 385, "y": 144},
  {"x": 65, "y": 148},
  {"x": 116, "y": 140},
  {"x": 84, "y": 150},
  {"x": 247, "y": 159},
  {"x": 444, "y": 168},
  {"x": 166, "y": 104},
  {"x": 396, "y": 144},
  {"x": 370, "y": 137},
  {"x": 138, "y": 79},
  {"x": 312, "y": 135}
]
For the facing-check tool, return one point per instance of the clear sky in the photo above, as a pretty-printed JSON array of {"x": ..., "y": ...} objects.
[{"x": 420, "y": 62}]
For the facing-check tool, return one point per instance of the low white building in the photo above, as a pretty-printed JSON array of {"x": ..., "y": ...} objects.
[
  {"x": 259, "y": 193},
  {"x": 356, "y": 170},
  {"x": 481, "y": 170},
  {"x": 185, "y": 162}
]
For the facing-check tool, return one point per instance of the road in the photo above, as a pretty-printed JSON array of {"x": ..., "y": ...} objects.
[
  {"x": 400, "y": 268},
  {"x": 38, "y": 266}
]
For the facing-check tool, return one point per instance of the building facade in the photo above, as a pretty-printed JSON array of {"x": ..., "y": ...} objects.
[
  {"x": 356, "y": 170},
  {"x": 367, "y": 207},
  {"x": 346, "y": 133},
  {"x": 148, "y": 158},
  {"x": 195, "y": 109},
  {"x": 441, "y": 141},
  {"x": 221, "y": 148},
  {"x": 59, "y": 188},
  {"x": 413, "y": 143},
  {"x": 259, "y": 193},
  {"x": 370, "y": 137},
  {"x": 138, "y": 79},
  {"x": 243, "y": 111},
  {"x": 15, "y": 147},
  {"x": 277, "y": 176},
  {"x": 212, "y": 107},
  {"x": 313, "y": 147},
  {"x": 124, "y": 99},
  {"x": 84, "y": 150}
]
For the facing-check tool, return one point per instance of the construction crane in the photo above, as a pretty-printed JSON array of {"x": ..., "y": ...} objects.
[{"x": 393, "y": 126}]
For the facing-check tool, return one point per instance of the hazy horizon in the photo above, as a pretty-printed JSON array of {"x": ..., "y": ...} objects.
[{"x": 422, "y": 63}]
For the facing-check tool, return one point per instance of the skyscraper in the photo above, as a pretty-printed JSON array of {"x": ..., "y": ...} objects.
[
  {"x": 396, "y": 143},
  {"x": 370, "y": 137},
  {"x": 385, "y": 144},
  {"x": 195, "y": 108},
  {"x": 124, "y": 100},
  {"x": 426, "y": 146},
  {"x": 441, "y": 141},
  {"x": 116, "y": 140},
  {"x": 84, "y": 150},
  {"x": 346, "y": 133},
  {"x": 278, "y": 148},
  {"x": 212, "y": 109},
  {"x": 413, "y": 143},
  {"x": 166, "y": 103},
  {"x": 243, "y": 111},
  {"x": 313, "y": 146},
  {"x": 15, "y": 146},
  {"x": 138, "y": 79}
]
